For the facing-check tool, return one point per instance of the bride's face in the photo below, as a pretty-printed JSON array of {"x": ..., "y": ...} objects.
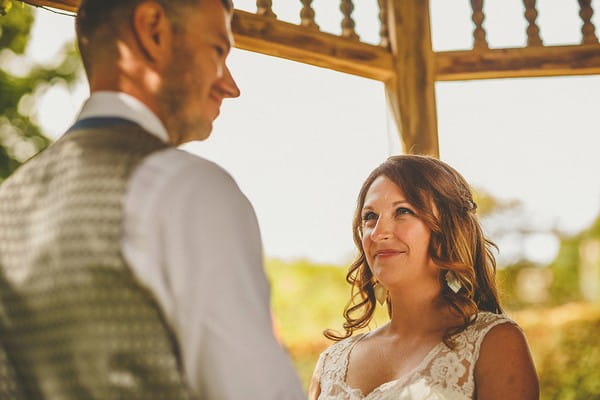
[{"x": 394, "y": 238}]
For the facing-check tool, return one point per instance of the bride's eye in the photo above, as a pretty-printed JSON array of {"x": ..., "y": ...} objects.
[
  {"x": 369, "y": 216},
  {"x": 404, "y": 211}
]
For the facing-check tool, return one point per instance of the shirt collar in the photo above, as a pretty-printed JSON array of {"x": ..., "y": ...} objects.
[{"x": 122, "y": 105}]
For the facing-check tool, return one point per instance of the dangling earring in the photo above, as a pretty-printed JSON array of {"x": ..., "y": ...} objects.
[
  {"x": 453, "y": 282},
  {"x": 380, "y": 292}
]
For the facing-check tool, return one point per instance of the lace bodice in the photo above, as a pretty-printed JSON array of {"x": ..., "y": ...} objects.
[{"x": 443, "y": 373}]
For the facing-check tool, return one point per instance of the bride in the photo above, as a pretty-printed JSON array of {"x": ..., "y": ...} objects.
[{"x": 422, "y": 253}]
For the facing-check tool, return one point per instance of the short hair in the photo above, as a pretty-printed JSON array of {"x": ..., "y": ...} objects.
[
  {"x": 109, "y": 16},
  {"x": 444, "y": 202}
]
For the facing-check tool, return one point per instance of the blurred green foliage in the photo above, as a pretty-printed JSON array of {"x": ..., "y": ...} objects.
[
  {"x": 20, "y": 137},
  {"x": 509, "y": 218},
  {"x": 571, "y": 369},
  {"x": 488, "y": 204},
  {"x": 506, "y": 279},
  {"x": 566, "y": 267},
  {"x": 307, "y": 299},
  {"x": 565, "y": 343},
  {"x": 565, "y": 271},
  {"x": 312, "y": 292},
  {"x": 5, "y": 6}
]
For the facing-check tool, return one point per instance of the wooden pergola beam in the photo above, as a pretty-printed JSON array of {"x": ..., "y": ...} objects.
[
  {"x": 281, "y": 39},
  {"x": 518, "y": 62},
  {"x": 66, "y": 5}
]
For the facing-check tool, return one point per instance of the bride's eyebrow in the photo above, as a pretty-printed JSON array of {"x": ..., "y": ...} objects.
[{"x": 400, "y": 202}]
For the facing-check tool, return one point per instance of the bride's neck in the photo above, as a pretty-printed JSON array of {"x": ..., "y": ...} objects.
[{"x": 419, "y": 313}]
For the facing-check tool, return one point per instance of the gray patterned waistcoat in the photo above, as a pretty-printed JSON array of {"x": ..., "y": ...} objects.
[{"x": 74, "y": 322}]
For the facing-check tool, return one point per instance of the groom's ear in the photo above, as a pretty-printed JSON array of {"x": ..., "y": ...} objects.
[{"x": 153, "y": 32}]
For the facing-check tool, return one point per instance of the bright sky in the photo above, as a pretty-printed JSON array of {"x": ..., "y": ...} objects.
[{"x": 301, "y": 139}]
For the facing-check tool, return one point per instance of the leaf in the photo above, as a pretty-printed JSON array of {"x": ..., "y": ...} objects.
[
  {"x": 15, "y": 28},
  {"x": 5, "y": 6},
  {"x": 17, "y": 130}
]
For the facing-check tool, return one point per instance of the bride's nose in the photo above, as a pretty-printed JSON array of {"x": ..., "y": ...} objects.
[{"x": 382, "y": 230}]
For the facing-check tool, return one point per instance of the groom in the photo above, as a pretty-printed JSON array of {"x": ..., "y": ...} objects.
[{"x": 130, "y": 269}]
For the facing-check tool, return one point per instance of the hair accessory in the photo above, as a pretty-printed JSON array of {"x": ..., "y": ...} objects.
[
  {"x": 469, "y": 206},
  {"x": 473, "y": 206},
  {"x": 453, "y": 282},
  {"x": 380, "y": 292}
]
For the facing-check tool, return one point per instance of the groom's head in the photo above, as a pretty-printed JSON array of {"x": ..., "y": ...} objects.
[
  {"x": 104, "y": 20},
  {"x": 170, "y": 54}
]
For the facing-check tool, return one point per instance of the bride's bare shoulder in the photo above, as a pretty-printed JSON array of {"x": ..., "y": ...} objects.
[{"x": 504, "y": 368}]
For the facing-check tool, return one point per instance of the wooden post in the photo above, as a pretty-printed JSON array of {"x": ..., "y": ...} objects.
[{"x": 411, "y": 93}]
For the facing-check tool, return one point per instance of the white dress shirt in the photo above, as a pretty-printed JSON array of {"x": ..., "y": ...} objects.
[{"x": 192, "y": 238}]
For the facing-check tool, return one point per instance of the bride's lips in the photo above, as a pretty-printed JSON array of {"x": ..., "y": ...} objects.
[{"x": 388, "y": 253}]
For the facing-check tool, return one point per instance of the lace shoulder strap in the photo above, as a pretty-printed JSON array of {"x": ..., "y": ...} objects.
[
  {"x": 332, "y": 363},
  {"x": 483, "y": 324},
  {"x": 453, "y": 369}
]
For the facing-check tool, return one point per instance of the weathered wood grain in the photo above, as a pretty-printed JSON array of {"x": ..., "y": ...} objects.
[
  {"x": 293, "y": 42},
  {"x": 518, "y": 62},
  {"x": 411, "y": 94}
]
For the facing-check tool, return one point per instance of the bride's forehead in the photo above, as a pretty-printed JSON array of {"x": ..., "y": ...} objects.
[
  {"x": 385, "y": 192},
  {"x": 384, "y": 189}
]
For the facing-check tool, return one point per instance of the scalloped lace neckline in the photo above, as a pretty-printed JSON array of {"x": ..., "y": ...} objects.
[{"x": 430, "y": 354}]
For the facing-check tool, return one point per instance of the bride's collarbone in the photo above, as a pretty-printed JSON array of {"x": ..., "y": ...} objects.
[{"x": 374, "y": 362}]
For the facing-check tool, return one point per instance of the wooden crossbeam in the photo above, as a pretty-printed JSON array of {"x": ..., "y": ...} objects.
[
  {"x": 310, "y": 46},
  {"x": 66, "y": 5},
  {"x": 518, "y": 62}
]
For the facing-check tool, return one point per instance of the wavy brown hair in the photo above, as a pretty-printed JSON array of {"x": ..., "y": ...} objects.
[{"x": 443, "y": 200}]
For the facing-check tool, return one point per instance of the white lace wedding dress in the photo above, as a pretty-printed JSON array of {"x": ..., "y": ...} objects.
[{"x": 443, "y": 373}]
